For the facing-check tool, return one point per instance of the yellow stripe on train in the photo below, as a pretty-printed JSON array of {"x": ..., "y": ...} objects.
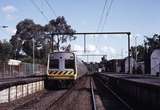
[
  {"x": 59, "y": 73},
  {"x": 62, "y": 75}
]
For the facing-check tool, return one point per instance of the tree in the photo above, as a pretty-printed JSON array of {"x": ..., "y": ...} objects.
[
  {"x": 60, "y": 25},
  {"x": 138, "y": 52},
  {"x": 6, "y": 51},
  {"x": 27, "y": 30},
  {"x": 153, "y": 42},
  {"x": 144, "y": 52},
  {"x": 23, "y": 39}
]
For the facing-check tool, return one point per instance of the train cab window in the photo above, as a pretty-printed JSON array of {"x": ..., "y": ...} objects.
[
  {"x": 54, "y": 64},
  {"x": 69, "y": 64}
]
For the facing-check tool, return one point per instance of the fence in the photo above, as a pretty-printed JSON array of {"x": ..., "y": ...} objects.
[
  {"x": 19, "y": 91},
  {"x": 22, "y": 70}
]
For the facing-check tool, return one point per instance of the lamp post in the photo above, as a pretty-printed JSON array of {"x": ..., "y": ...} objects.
[
  {"x": 33, "y": 53},
  {"x": 136, "y": 47},
  {"x": 4, "y": 26},
  {"x": 147, "y": 58}
]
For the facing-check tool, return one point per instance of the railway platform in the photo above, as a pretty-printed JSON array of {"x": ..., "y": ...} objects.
[
  {"x": 87, "y": 93},
  {"x": 12, "y": 89},
  {"x": 9, "y": 82},
  {"x": 96, "y": 91},
  {"x": 139, "y": 90},
  {"x": 144, "y": 79}
]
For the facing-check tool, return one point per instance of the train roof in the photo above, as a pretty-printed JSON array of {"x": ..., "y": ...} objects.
[{"x": 59, "y": 55}]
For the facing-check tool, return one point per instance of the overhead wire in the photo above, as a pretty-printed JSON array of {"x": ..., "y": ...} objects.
[
  {"x": 51, "y": 8},
  {"x": 101, "y": 19},
  {"x": 41, "y": 12},
  {"x": 106, "y": 17},
  {"x": 107, "y": 14},
  {"x": 102, "y": 14}
]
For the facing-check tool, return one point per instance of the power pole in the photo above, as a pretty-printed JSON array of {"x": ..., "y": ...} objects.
[
  {"x": 52, "y": 38},
  {"x": 33, "y": 40},
  {"x": 129, "y": 52},
  {"x": 136, "y": 47},
  {"x": 58, "y": 43},
  {"x": 84, "y": 43}
]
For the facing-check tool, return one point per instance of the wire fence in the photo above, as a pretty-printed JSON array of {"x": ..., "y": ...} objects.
[{"x": 22, "y": 70}]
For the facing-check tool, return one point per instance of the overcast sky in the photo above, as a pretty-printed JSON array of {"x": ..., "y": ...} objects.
[{"x": 140, "y": 17}]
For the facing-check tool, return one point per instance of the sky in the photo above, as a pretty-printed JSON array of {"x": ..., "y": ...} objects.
[{"x": 140, "y": 17}]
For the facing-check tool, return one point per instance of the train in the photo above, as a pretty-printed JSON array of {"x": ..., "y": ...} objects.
[{"x": 63, "y": 68}]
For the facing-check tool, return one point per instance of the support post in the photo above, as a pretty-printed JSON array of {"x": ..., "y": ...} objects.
[
  {"x": 9, "y": 94},
  {"x": 31, "y": 88},
  {"x": 84, "y": 43},
  {"x": 136, "y": 47},
  {"x": 39, "y": 85},
  {"x": 87, "y": 59},
  {"x": 27, "y": 89},
  {"x": 4, "y": 70},
  {"x": 36, "y": 87},
  {"x": 159, "y": 70},
  {"x": 58, "y": 45},
  {"x": 33, "y": 54},
  {"x": 22, "y": 90},
  {"x": 52, "y": 35},
  {"x": 16, "y": 92},
  {"x": 129, "y": 53}
]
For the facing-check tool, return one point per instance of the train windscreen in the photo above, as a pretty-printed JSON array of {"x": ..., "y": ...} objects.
[
  {"x": 54, "y": 64},
  {"x": 69, "y": 64}
]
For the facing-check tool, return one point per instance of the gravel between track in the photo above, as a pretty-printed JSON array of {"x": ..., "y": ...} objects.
[{"x": 78, "y": 99}]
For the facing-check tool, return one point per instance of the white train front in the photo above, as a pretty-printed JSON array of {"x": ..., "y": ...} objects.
[{"x": 64, "y": 66}]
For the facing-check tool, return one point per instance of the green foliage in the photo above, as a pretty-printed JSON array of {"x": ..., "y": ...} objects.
[
  {"x": 6, "y": 51},
  {"x": 151, "y": 43},
  {"x": 140, "y": 52},
  {"x": 27, "y": 30}
]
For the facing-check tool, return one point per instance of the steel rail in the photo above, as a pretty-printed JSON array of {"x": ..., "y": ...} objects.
[
  {"x": 92, "y": 94},
  {"x": 59, "y": 100}
]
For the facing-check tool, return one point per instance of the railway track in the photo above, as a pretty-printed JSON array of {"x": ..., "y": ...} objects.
[
  {"x": 47, "y": 101},
  {"x": 87, "y": 93},
  {"x": 111, "y": 100},
  {"x": 77, "y": 97},
  {"x": 93, "y": 96},
  {"x": 38, "y": 101},
  {"x": 43, "y": 102}
]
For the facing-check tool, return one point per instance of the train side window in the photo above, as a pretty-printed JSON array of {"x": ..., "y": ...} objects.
[
  {"x": 69, "y": 64},
  {"x": 54, "y": 64}
]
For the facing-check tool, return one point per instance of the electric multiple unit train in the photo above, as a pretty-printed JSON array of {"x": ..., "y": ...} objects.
[{"x": 63, "y": 68}]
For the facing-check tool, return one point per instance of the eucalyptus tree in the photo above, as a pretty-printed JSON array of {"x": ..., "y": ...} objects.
[
  {"x": 29, "y": 32},
  {"x": 6, "y": 51}
]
